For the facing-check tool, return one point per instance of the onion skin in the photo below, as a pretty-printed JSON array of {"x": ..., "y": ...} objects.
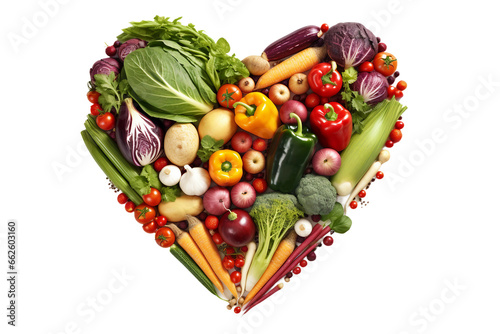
[{"x": 292, "y": 43}]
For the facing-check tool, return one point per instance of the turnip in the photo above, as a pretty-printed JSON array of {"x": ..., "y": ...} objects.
[
  {"x": 326, "y": 162},
  {"x": 293, "y": 106}
]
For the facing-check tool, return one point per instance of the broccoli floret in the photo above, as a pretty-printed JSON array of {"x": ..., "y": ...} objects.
[{"x": 316, "y": 195}]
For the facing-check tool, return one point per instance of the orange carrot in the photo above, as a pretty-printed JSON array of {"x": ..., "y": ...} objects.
[
  {"x": 202, "y": 237},
  {"x": 298, "y": 63},
  {"x": 187, "y": 243},
  {"x": 284, "y": 250}
]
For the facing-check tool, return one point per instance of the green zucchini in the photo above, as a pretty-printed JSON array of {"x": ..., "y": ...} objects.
[
  {"x": 111, "y": 172},
  {"x": 184, "y": 258}
]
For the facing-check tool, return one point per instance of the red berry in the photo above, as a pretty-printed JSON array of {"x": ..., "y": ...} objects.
[
  {"x": 382, "y": 47},
  {"x": 259, "y": 145},
  {"x": 244, "y": 249},
  {"x": 399, "y": 125},
  {"x": 353, "y": 205},
  {"x": 130, "y": 206},
  {"x": 328, "y": 241},
  {"x": 161, "y": 221},
  {"x": 122, "y": 198},
  {"x": 316, "y": 218},
  {"x": 237, "y": 309},
  {"x": 160, "y": 163},
  {"x": 260, "y": 185},
  {"x": 389, "y": 143},
  {"x": 324, "y": 27},
  {"x": 111, "y": 50},
  {"x": 362, "y": 194},
  {"x": 303, "y": 263},
  {"x": 379, "y": 175},
  {"x": 297, "y": 270}
]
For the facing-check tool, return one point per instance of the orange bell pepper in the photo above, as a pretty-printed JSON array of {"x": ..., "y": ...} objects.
[
  {"x": 257, "y": 114},
  {"x": 225, "y": 167}
]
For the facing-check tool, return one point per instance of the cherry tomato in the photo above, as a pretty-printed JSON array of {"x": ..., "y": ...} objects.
[
  {"x": 106, "y": 121},
  {"x": 95, "y": 109},
  {"x": 165, "y": 237},
  {"x": 150, "y": 227},
  {"x": 228, "y": 262},
  {"x": 366, "y": 67},
  {"x": 401, "y": 85},
  {"x": 129, "y": 206},
  {"x": 217, "y": 238},
  {"x": 212, "y": 222},
  {"x": 260, "y": 185},
  {"x": 389, "y": 143},
  {"x": 391, "y": 90},
  {"x": 161, "y": 221},
  {"x": 153, "y": 198},
  {"x": 303, "y": 263},
  {"x": 244, "y": 249},
  {"x": 160, "y": 163},
  {"x": 379, "y": 175},
  {"x": 362, "y": 194},
  {"x": 235, "y": 276},
  {"x": 396, "y": 135},
  {"x": 144, "y": 213},
  {"x": 385, "y": 63},
  {"x": 297, "y": 270},
  {"x": 237, "y": 309},
  {"x": 229, "y": 250},
  {"x": 398, "y": 94},
  {"x": 239, "y": 261},
  {"x": 353, "y": 205},
  {"x": 228, "y": 94},
  {"x": 399, "y": 125},
  {"x": 324, "y": 28},
  {"x": 312, "y": 100},
  {"x": 93, "y": 96},
  {"x": 122, "y": 198}
]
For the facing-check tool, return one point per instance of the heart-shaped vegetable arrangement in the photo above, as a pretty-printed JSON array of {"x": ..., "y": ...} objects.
[{"x": 193, "y": 138}]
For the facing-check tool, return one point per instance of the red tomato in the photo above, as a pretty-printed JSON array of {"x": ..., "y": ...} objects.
[
  {"x": 228, "y": 94},
  {"x": 366, "y": 67},
  {"x": 129, "y": 206},
  {"x": 95, "y": 109},
  {"x": 391, "y": 90},
  {"x": 153, "y": 198},
  {"x": 217, "y": 238},
  {"x": 353, "y": 205},
  {"x": 389, "y": 143},
  {"x": 106, "y": 121},
  {"x": 398, "y": 94},
  {"x": 235, "y": 276},
  {"x": 161, "y": 221},
  {"x": 379, "y": 175},
  {"x": 385, "y": 63},
  {"x": 150, "y": 227},
  {"x": 239, "y": 261},
  {"x": 399, "y": 125},
  {"x": 396, "y": 135},
  {"x": 401, "y": 85},
  {"x": 122, "y": 198},
  {"x": 362, "y": 194},
  {"x": 212, "y": 222},
  {"x": 165, "y": 237},
  {"x": 93, "y": 96},
  {"x": 144, "y": 213},
  {"x": 303, "y": 263},
  {"x": 312, "y": 100},
  {"x": 260, "y": 185},
  {"x": 324, "y": 28},
  {"x": 160, "y": 163},
  {"x": 297, "y": 270},
  {"x": 228, "y": 262}
]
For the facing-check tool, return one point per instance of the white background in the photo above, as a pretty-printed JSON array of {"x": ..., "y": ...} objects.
[{"x": 430, "y": 224}]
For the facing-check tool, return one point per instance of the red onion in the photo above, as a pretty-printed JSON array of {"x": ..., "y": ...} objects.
[{"x": 216, "y": 200}]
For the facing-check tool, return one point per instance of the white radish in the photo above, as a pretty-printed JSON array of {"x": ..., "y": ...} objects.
[
  {"x": 252, "y": 246},
  {"x": 303, "y": 227},
  {"x": 383, "y": 157}
]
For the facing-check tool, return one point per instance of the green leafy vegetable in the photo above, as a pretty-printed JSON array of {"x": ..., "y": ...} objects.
[
  {"x": 112, "y": 90},
  {"x": 169, "y": 194},
  {"x": 220, "y": 67},
  {"x": 208, "y": 146},
  {"x": 168, "y": 86},
  {"x": 338, "y": 222},
  {"x": 151, "y": 176},
  {"x": 354, "y": 102}
]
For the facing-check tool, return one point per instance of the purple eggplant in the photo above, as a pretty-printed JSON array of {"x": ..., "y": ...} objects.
[
  {"x": 139, "y": 139},
  {"x": 292, "y": 43}
]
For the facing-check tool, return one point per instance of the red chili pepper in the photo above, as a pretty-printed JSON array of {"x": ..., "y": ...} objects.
[
  {"x": 332, "y": 123},
  {"x": 324, "y": 79}
]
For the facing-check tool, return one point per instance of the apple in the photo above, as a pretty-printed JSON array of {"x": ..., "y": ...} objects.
[
  {"x": 293, "y": 106},
  {"x": 241, "y": 142},
  {"x": 254, "y": 162},
  {"x": 237, "y": 228},
  {"x": 326, "y": 162},
  {"x": 279, "y": 94},
  {"x": 243, "y": 195}
]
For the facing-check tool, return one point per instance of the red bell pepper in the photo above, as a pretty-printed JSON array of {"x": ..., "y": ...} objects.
[
  {"x": 332, "y": 123},
  {"x": 324, "y": 79}
]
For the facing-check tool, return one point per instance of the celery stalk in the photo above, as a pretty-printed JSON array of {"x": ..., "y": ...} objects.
[{"x": 364, "y": 147}]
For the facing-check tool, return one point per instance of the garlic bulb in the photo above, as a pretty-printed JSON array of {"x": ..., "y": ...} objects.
[
  {"x": 195, "y": 182},
  {"x": 170, "y": 175}
]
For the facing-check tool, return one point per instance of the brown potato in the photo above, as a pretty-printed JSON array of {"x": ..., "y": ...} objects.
[{"x": 181, "y": 143}]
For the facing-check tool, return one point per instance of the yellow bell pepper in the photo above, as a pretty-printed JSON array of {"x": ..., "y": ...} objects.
[
  {"x": 225, "y": 167},
  {"x": 257, "y": 114}
]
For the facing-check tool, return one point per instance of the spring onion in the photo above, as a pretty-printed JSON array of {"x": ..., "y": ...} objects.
[{"x": 364, "y": 147}]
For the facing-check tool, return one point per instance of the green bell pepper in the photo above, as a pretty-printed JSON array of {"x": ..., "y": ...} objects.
[{"x": 289, "y": 154}]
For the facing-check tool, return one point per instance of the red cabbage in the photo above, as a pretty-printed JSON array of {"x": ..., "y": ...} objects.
[
  {"x": 105, "y": 66},
  {"x": 131, "y": 45},
  {"x": 139, "y": 139},
  {"x": 372, "y": 86},
  {"x": 350, "y": 44}
]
